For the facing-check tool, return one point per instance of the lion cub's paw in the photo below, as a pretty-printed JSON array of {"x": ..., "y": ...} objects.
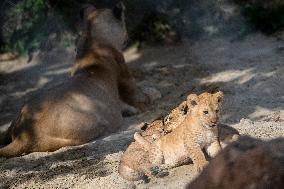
[
  {"x": 199, "y": 167},
  {"x": 158, "y": 172},
  {"x": 155, "y": 170}
]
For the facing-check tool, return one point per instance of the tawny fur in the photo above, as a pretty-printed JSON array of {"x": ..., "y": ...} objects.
[
  {"x": 183, "y": 144},
  {"x": 88, "y": 104},
  {"x": 163, "y": 126},
  {"x": 137, "y": 155}
]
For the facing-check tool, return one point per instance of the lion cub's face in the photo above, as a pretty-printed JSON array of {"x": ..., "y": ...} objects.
[
  {"x": 206, "y": 108},
  {"x": 106, "y": 25}
]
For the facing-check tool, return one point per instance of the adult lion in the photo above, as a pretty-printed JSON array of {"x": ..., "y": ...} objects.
[{"x": 87, "y": 105}]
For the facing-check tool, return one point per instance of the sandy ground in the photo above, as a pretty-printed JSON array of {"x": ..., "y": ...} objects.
[{"x": 250, "y": 71}]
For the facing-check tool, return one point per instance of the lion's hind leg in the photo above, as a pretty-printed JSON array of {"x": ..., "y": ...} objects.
[{"x": 16, "y": 148}]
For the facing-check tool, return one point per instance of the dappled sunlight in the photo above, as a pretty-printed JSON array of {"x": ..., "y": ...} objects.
[
  {"x": 238, "y": 76},
  {"x": 248, "y": 72},
  {"x": 9, "y": 66},
  {"x": 198, "y": 46},
  {"x": 260, "y": 112},
  {"x": 58, "y": 71},
  {"x": 131, "y": 54},
  {"x": 151, "y": 65}
]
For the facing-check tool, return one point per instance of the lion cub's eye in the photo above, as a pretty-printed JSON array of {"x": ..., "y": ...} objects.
[
  {"x": 205, "y": 112},
  {"x": 217, "y": 111}
]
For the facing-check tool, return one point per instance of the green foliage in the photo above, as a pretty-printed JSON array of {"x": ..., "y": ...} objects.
[
  {"x": 148, "y": 21},
  {"x": 69, "y": 10},
  {"x": 268, "y": 16},
  {"x": 31, "y": 23},
  {"x": 28, "y": 15},
  {"x": 154, "y": 28}
]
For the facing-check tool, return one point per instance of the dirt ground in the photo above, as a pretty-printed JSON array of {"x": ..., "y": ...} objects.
[{"x": 250, "y": 71}]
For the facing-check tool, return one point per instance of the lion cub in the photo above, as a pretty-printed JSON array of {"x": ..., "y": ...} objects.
[
  {"x": 136, "y": 155},
  {"x": 196, "y": 132},
  {"x": 162, "y": 126}
]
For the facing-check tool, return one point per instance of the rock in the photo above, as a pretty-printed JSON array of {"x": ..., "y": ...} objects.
[{"x": 246, "y": 164}]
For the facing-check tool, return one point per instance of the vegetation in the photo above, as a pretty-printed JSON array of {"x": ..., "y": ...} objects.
[
  {"x": 154, "y": 28},
  {"x": 29, "y": 24},
  {"x": 151, "y": 22},
  {"x": 26, "y": 34},
  {"x": 268, "y": 16}
]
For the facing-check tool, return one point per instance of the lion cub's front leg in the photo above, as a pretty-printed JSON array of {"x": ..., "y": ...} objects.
[
  {"x": 214, "y": 148},
  {"x": 196, "y": 154}
]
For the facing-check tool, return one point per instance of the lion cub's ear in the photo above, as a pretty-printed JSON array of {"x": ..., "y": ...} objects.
[
  {"x": 183, "y": 107},
  {"x": 192, "y": 100},
  {"x": 219, "y": 95}
]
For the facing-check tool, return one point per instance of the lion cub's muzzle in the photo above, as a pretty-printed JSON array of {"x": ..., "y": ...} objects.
[{"x": 213, "y": 125}]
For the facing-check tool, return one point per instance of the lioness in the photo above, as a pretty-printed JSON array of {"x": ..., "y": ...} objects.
[
  {"x": 87, "y": 105},
  {"x": 197, "y": 131}
]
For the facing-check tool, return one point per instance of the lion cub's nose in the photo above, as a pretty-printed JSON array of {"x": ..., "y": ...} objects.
[{"x": 214, "y": 122}]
